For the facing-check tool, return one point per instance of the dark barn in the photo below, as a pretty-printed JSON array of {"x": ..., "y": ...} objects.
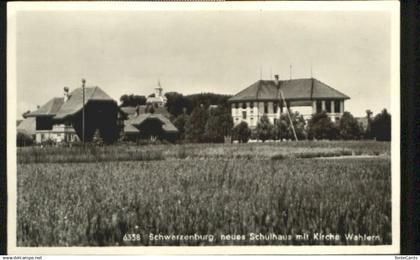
[{"x": 99, "y": 110}]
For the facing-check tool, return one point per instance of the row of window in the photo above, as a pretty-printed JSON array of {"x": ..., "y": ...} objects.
[
  {"x": 252, "y": 119},
  {"x": 275, "y": 119},
  {"x": 251, "y": 104},
  {"x": 275, "y": 106},
  {"x": 244, "y": 116},
  {"x": 328, "y": 107}
]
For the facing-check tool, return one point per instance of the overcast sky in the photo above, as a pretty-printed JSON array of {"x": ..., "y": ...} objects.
[{"x": 208, "y": 51}]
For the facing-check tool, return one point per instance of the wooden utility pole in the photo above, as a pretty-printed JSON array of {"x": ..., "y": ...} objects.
[
  {"x": 288, "y": 114},
  {"x": 83, "y": 110}
]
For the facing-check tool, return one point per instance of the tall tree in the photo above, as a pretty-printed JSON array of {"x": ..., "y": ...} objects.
[
  {"x": 176, "y": 104},
  {"x": 284, "y": 130},
  {"x": 241, "y": 132},
  {"x": 132, "y": 100},
  {"x": 349, "y": 127},
  {"x": 299, "y": 125},
  {"x": 219, "y": 124},
  {"x": 320, "y": 126},
  {"x": 180, "y": 123},
  {"x": 264, "y": 128},
  {"x": 280, "y": 128},
  {"x": 381, "y": 126},
  {"x": 195, "y": 126}
]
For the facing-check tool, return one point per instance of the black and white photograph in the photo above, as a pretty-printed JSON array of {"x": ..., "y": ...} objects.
[{"x": 203, "y": 128}]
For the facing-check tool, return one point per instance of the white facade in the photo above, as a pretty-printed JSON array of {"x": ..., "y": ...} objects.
[
  {"x": 59, "y": 133},
  {"x": 251, "y": 112}
]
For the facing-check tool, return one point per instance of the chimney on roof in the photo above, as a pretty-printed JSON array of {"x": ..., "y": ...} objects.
[
  {"x": 276, "y": 80},
  {"x": 66, "y": 94}
]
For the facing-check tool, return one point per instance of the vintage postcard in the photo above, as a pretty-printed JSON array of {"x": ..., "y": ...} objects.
[{"x": 203, "y": 128}]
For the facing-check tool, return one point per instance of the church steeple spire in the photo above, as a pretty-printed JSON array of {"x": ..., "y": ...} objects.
[{"x": 159, "y": 89}]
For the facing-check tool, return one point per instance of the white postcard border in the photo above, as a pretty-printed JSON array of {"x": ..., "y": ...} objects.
[{"x": 390, "y": 6}]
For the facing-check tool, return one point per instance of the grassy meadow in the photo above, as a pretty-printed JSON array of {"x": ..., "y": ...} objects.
[{"x": 75, "y": 196}]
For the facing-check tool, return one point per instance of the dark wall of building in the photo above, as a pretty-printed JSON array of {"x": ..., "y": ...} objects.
[
  {"x": 44, "y": 123},
  {"x": 98, "y": 115}
]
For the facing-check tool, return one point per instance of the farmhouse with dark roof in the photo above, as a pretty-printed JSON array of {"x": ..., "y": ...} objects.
[
  {"x": 60, "y": 119},
  {"x": 145, "y": 125},
  {"x": 150, "y": 121},
  {"x": 272, "y": 97}
]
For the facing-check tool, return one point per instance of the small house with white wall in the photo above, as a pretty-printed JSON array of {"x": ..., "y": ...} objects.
[{"x": 271, "y": 97}]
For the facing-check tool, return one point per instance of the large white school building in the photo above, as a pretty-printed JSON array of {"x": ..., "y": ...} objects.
[{"x": 271, "y": 97}]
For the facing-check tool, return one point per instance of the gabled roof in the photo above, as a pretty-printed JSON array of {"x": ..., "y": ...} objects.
[
  {"x": 49, "y": 109},
  {"x": 27, "y": 126},
  {"x": 296, "y": 89},
  {"x": 59, "y": 109},
  {"x": 75, "y": 101},
  {"x": 138, "y": 120}
]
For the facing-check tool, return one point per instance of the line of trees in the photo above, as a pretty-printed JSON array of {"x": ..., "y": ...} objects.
[
  {"x": 198, "y": 121},
  {"x": 178, "y": 104},
  {"x": 319, "y": 127},
  {"x": 348, "y": 128},
  {"x": 204, "y": 124},
  {"x": 200, "y": 118},
  {"x": 214, "y": 125},
  {"x": 132, "y": 100}
]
